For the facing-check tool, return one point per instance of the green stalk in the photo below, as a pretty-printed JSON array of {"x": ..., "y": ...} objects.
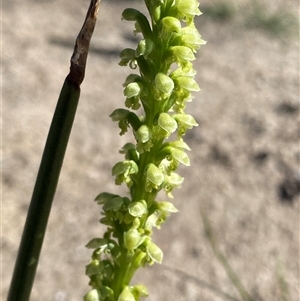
[{"x": 52, "y": 160}]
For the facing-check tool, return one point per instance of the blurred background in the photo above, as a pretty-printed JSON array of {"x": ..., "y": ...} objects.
[{"x": 244, "y": 172}]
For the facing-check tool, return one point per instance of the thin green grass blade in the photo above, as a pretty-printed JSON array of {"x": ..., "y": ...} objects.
[{"x": 234, "y": 278}]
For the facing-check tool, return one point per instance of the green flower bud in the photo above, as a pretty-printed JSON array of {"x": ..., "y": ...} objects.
[
  {"x": 144, "y": 48},
  {"x": 178, "y": 144},
  {"x": 188, "y": 9},
  {"x": 127, "y": 166},
  {"x": 92, "y": 296},
  {"x": 126, "y": 295},
  {"x": 172, "y": 181},
  {"x": 154, "y": 252},
  {"x": 123, "y": 170},
  {"x": 167, "y": 206},
  {"x": 133, "y": 89},
  {"x": 164, "y": 84},
  {"x": 139, "y": 291},
  {"x": 167, "y": 123},
  {"x": 165, "y": 166},
  {"x": 152, "y": 220},
  {"x": 187, "y": 83},
  {"x": 185, "y": 121},
  {"x": 154, "y": 175},
  {"x": 143, "y": 134},
  {"x": 93, "y": 268},
  {"x": 137, "y": 209},
  {"x": 187, "y": 72},
  {"x": 182, "y": 54},
  {"x": 180, "y": 156},
  {"x": 136, "y": 223},
  {"x": 191, "y": 38},
  {"x": 132, "y": 239},
  {"x": 171, "y": 24}
]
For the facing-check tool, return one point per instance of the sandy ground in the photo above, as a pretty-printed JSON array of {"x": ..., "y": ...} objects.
[{"x": 245, "y": 153}]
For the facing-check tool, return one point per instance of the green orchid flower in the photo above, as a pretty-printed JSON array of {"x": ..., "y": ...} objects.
[{"x": 156, "y": 96}]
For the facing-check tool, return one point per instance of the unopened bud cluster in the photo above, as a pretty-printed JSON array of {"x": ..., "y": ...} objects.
[{"x": 161, "y": 87}]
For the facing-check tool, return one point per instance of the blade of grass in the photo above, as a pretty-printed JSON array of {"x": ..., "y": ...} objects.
[
  {"x": 52, "y": 159},
  {"x": 234, "y": 278},
  {"x": 188, "y": 277},
  {"x": 283, "y": 285}
]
